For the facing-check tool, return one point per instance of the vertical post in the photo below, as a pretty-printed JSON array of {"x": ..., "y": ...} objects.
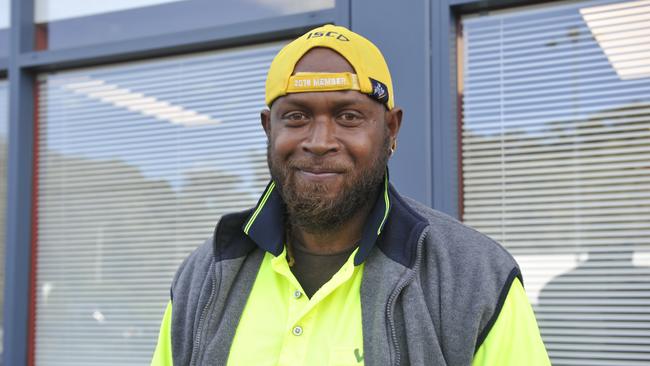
[
  {"x": 343, "y": 13},
  {"x": 19, "y": 188},
  {"x": 445, "y": 159},
  {"x": 401, "y": 30}
]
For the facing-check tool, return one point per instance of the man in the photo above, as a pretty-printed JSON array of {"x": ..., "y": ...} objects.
[{"x": 333, "y": 266}]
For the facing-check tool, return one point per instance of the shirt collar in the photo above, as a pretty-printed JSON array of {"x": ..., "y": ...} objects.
[{"x": 265, "y": 226}]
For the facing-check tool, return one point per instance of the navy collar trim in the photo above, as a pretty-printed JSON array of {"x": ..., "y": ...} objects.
[{"x": 266, "y": 226}]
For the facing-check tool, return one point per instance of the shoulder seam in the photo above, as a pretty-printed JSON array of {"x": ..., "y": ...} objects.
[
  {"x": 514, "y": 273},
  {"x": 457, "y": 224},
  {"x": 435, "y": 217}
]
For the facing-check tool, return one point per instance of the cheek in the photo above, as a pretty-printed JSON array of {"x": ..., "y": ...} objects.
[
  {"x": 282, "y": 144},
  {"x": 365, "y": 146},
  {"x": 362, "y": 150}
]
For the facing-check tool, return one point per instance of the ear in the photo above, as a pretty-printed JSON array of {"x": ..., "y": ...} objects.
[
  {"x": 265, "y": 118},
  {"x": 394, "y": 122}
]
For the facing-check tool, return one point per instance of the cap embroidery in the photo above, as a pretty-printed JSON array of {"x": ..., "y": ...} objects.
[
  {"x": 322, "y": 81},
  {"x": 335, "y": 35},
  {"x": 379, "y": 90}
]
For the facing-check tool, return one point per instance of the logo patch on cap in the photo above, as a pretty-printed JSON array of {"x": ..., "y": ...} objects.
[
  {"x": 322, "y": 81},
  {"x": 379, "y": 91},
  {"x": 331, "y": 34}
]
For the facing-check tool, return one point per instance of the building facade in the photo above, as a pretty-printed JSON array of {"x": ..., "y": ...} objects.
[{"x": 128, "y": 128}]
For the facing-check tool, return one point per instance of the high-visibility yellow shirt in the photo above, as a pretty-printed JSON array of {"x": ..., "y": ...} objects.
[
  {"x": 281, "y": 326},
  {"x": 514, "y": 338}
]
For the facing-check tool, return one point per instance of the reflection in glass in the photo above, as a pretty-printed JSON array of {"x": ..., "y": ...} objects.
[
  {"x": 53, "y": 10},
  {"x": 68, "y": 23},
  {"x": 136, "y": 164},
  {"x": 5, "y": 21},
  {"x": 5, "y": 10},
  {"x": 622, "y": 31},
  {"x": 556, "y": 166},
  {"x": 592, "y": 315}
]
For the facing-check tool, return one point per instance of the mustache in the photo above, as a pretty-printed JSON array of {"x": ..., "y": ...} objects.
[{"x": 318, "y": 164}]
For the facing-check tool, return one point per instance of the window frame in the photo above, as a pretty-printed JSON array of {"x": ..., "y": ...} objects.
[
  {"x": 445, "y": 33},
  {"x": 457, "y": 9},
  {"x": 22, "y": 66}
]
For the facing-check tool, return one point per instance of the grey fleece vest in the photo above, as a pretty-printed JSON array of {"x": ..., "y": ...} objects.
[{"x": 431, "y": 290}]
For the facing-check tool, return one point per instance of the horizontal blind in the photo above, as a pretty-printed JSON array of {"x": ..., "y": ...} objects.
[
  {"x": 556, "y": 166},
  {"x": 136, "y": 163},
  {"x": 4, "y": 129}
]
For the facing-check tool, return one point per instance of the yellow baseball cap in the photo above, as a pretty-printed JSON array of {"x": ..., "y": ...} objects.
[{"x": 371, "y": 72}]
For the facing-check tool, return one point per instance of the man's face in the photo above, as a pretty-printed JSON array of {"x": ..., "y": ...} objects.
[{"x": 328, "y": 151}]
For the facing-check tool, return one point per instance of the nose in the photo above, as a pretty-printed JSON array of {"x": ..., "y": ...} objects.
[{"x": 321, "y": 139}]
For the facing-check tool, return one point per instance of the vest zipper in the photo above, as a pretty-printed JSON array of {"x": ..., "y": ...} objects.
[
  {"x": 393, "y": 297},
  {"x": 199, "y": 330},
  {"x": 391, "y": 321}
]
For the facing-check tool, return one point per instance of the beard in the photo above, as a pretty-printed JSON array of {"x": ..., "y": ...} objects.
[{"x": 309, "y": 205}]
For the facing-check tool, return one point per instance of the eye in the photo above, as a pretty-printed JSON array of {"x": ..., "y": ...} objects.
[
  {"x": 349, "y": 118},
  {"x": 295, "y": 118}
]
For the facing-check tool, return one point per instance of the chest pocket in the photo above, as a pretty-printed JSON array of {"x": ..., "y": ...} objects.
[{"x": 346, "y": 356}]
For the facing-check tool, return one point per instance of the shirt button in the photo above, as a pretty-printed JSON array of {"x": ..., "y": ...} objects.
[
  {"x": 297, "y": 294},
  {"x": 297, "y": 330}
]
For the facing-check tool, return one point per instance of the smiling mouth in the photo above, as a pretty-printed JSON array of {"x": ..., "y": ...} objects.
[{"x": 318, "y": 174}]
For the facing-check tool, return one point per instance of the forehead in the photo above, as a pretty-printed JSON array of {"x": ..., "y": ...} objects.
[
  {"x": 321, "y": 59},
  {"x": 329, "y": 98}
]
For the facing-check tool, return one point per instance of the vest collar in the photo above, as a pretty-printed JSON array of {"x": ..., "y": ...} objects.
[{"x": 266, "y": 226}]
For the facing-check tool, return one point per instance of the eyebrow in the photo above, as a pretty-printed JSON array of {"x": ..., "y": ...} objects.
[{"x": 338, "y": 104}]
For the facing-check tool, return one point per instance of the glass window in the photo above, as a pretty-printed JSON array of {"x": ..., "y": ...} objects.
[
  {"x": 556, "y": 166},
  {"x": 69, "y": 23},
  {"x": 5, "y": 21},
  {"x": 4, "y": 122},
  {"x": 136, "y": 163}
]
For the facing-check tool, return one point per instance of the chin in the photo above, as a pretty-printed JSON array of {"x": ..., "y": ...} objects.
[{"x": 310, "y": 191}]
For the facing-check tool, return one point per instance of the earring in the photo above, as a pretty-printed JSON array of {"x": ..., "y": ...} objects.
[{"x": 393, "y": 147}]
